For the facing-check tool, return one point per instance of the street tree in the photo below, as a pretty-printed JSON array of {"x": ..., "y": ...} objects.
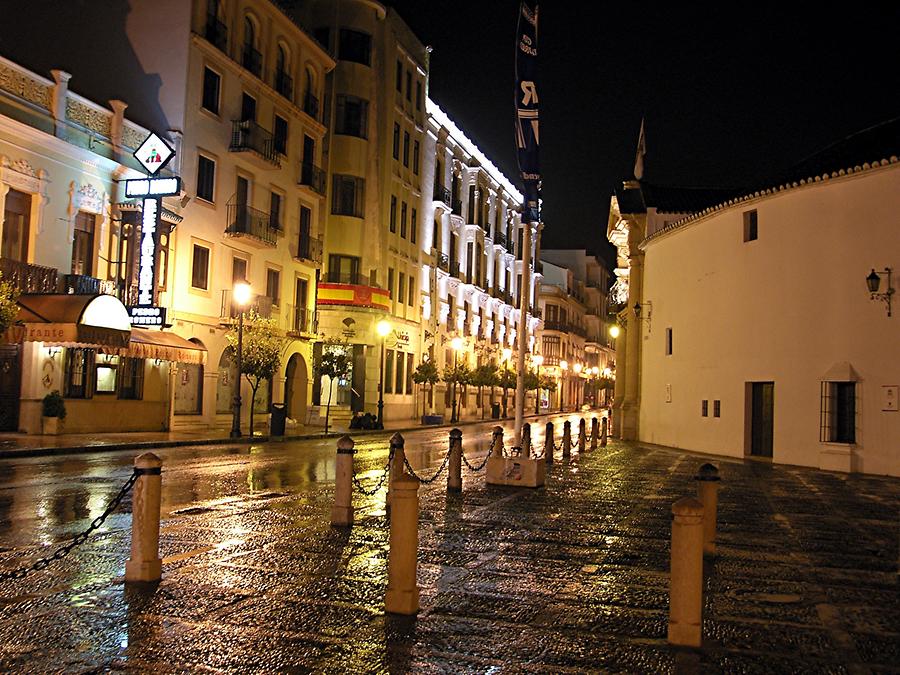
[
  {"x": 483, "y": 376},
  {"x": 426, "y": 374},
  {"x": 8, "y": 307},
  {"x": 457, "y": 376},
  {"x": 336, "y": 363},
  {"x": 261, "y": 347},
  {"x": 507, "y": 381}
]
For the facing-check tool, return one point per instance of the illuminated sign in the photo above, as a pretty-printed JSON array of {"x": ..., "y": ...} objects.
[
  {"x": 153, "y": 154},
  {"x": 146, "y": 276},
  {"x": 147, "y": 316},
  {"x": 156, "y": 187}
]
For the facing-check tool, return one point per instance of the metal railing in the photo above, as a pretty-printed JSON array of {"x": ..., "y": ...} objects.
[
  {"x": 27, "y": 278},
  {"x": 443, "y": 262},
  {"x": 284, "y": 84},
  {"x": 216, "y": 33},
  {"x": 456, "y": 207},
  {"x": 441, "y": 194},
  {"x": 500, "y": 238},
  {"x": 261, "y": 304},
  {"x": 245, "y": 220},
  {"x": 80, "y": 284},
  {"x": 346, "y": 278},
  {"x": 311, "y": 105},
  {"x": 312, "y": 176},
  {"x": 302, "y": 320},
  {"x": 251, "y": 59},
  {"x": 248, "y": 135},
  {"x": 309, "y": 248}
]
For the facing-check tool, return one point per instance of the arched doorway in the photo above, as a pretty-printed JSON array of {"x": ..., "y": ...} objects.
[
  {"x": 226, "y": 381},
  {"x": 295, "y": 387}
]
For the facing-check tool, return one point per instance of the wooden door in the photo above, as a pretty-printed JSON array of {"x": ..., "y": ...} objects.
[
  {"x": 762, "y": 419},
  {"x": 10, "y": 383}
]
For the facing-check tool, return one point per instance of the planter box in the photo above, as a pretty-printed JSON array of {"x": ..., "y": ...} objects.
[
  {"x": 51, "y": 426},
  {"x": 432, "y": 419}
]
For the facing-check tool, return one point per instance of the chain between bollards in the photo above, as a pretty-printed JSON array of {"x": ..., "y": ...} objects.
[
  {"x": 427, "y": 481},
  {"x": 384, "y": 475},
  {"x": 479, "y": 467},
  {"x": 63, "y": 551}
]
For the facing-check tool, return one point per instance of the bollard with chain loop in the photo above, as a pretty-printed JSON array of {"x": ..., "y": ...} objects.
[
  {"x": 145, "y": 563},
  {"x": 567, "y": 440},
  {"x": 342, "y": 511},
  {"x": 548, "y": 443},
  {"x": 497, "y": 442},
  {"x": 426, "y": 481},
  {"x": 384, "y": 475},
  {"x": 454, "y": 476},
  {"x": 76, "y": 541},
  {"x": 526, "y": 441},
  {"x": 595, "y": 432},
  {"x": 395, "y": 464},
  {"x": 603, "y": 434},
  {"x": 582, "y": 436}
]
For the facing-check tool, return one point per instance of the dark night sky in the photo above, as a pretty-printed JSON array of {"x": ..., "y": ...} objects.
[{"x": 729, "y": 99}]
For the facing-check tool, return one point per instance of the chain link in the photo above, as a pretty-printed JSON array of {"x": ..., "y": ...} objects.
[
  {"x": 78, "y": 540},
  {"x": 387, "y": 468},
  {"x": 478, "y": 468},
  {"x": 427, "y": 481}
]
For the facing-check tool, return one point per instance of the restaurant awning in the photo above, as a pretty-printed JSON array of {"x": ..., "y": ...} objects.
[
  {"x": 93, "y": 321},
  {"x": 157, "y": 344}
]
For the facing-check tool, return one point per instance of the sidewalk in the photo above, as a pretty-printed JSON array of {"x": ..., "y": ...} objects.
[
  {"x": 570, "y": 578},
  {"x": 13, "y": 445}
]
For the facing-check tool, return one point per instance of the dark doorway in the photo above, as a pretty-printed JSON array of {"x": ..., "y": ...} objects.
[
  {"x": 358, "y": 385},
  {"x": 762, "y": 411},
  {"x": 10, "y": 382}
]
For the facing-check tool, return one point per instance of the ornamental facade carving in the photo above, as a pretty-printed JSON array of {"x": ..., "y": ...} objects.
[
  {"x": 88, "y": 117},
  {"x": 25, "y": 87}
]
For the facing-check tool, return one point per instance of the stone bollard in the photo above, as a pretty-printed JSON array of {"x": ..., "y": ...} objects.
[
  {"x": 526, "y": 441},
  {"x": 145, "y": 563},
  {"x": 548, "y": 443},
  {"x": 567, "y": 439},
  {"x": 603, "y": 433},
  {"x": 497, "y": 442},
  {"x": 582, "y": 435},
  {"x": 342, "y": 511},
  {"x": 397, "y": 466},
  {"x": 708, "y": 491},
  {"x": 402, "y": 595},
  {"x": 686, "y": 574},
  {"x": 454, "y": 474},
  {"x": 595, "y": 432}
]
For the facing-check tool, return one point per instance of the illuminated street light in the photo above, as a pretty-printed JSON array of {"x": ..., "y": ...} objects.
[
  {"x": 564, "y": 367},
  {"x": 382, "y": 328},
  {"x": 614, "y": 331},
  {"x": 241, "y": 295}
]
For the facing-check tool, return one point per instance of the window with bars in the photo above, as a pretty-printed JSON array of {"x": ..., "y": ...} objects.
[
  {"x": 837, "y": 413},
  {"x": 352, "y": 116},
  {"x": 131, "y": 380}
]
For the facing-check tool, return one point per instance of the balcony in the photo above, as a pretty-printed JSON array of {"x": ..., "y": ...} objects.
[
  {"x": 302, "y": 320},
  {"x": 27, "y": 278},
  {"x": 309, "y": 248},
  {"x": 259, "y": 144},
  {"x": 261, "y": 304},
  {"x": 354, "y": 278},
  {"x": 251, "y": 59},
  {"x": 312, "y": 177},
  {"x": 245, "y": 221},
  {"x": 500, "y": 239},
  {"x": 443, "y": 262},
  {"x": 560, "y": 326},
  {"x": 311, "y": 106},
  {"x": 216, "y": 33},
  {"x": 441, "y": 194},
  {"x": 284, "y": 84},
  {"x": 80, "y": 284},
  {"x": 456, "y": 207}
]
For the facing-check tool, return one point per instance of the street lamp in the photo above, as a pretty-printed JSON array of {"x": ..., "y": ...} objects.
[
  {"x": 538, "y": 360},
  {"x": 382, "y": 328},
  {"x": 507, "y": 355},
  {"x": 576, "y": 368},
  {"x": 614, "y": 332},
  {"x": 595, "y": 374},
  {"x": 456, "y": 344},
  {"x": 240, "y": 298},
  {"x": 563, "y": 366}
]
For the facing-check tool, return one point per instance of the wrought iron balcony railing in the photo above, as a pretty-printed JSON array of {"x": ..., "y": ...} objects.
[
  {"x": 309, "y": 248},
  {"x": 311, "y": 105},
  {"x": 313, "y": 177},
  {"x": 80, "y": 284},
  {"x": 245, "y": 220},
  {"x": 443, "y": 262},
  {"x": 216, "y": 33},
  {"x": 27, "y": 278},
  {"x": 248, "y": 135},
  {"x": 251, "y": 59},
  {"x": 284, "y": 84},
  {"x": 302, "y": 320},
  {"x": 442, "y": 194},
  {"x": 261, "y": 304}
]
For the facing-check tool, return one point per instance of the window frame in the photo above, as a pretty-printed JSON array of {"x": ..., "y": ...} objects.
[
  {"x": 201, "y": 157},
  {"x": 218, "y": 92},
  {"x": 831, "y": 415},
  {"x": 751, "y": 225},
  {"x": 194, "y": 246},
  {"x": 340, "y": 184}
]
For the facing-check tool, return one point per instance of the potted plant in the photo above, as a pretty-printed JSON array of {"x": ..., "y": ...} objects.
[{"x": 53, "y": 412}]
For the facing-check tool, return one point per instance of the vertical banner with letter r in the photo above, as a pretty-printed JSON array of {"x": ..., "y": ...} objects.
[{"x": 527, "y": 136}]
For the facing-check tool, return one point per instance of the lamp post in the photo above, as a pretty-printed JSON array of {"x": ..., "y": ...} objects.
[
  {"x": 240, "y": 298},
  {"x": 456, "y": 344},
  {"x": 382, "y": 328},
  {"x": 563, "y": 367},
  {"x": 595, "y": 375},
  {"x": 607, "y": 375},
  {"x": 576, "y": 368},
  {"x": 507, "y": 355},
  {"x": 538, "y": 360}
]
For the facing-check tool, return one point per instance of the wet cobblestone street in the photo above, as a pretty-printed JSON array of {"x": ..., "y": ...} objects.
[{"x": 572, "y": 577}]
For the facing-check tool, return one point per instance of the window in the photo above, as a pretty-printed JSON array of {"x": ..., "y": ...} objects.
[
  {"x": 396, "y": 144},
  {"x": 300, "y": 294},
  {"x": 83, "y": 243},
  {"x": 704, "y": 408},
  {"x": 206, "y": 178},
  {"x": 408, "y": 86},
  {"x": 275, "y": 211},
  {"x": 107, "y": 375},
  {"x": 413, "y": 227},
  {"x": 717, "y": 408},
  {"x": 211, "y": 84},
  {"x": 131, "y": 379},
  {"x": 409, "y": 373},
  {"x": 347, "y": 196},
  {"x": 343, "y": 269},
  {"x": 416, "y": 157},
  {"x": 200, "y": 268},
  {"x": 403, "y": 220},
  {"x": 390, "y": 287},
  {"x": 16, "y": 217},
  {"x": 398, "y": 80},
  {"x": 750, "y": 226},
  {"x": 280, "y": 135},
  {"x": 238, "y": 270},
  {"x": 248, "y": 108},
  {"x": 79, "y": 365},
  {"x": 401, "y": 287},
  {"x": 303, "y": 245},
  {"x": 398, "y": 381},
  {"x": 838, "y": 413},
  {"x": 393, "y": 221},
  {"x": 668, "y": 341},
  {"x": 389, "y": 371},
  {"x": 352, "y": 116},
  {"x": 412, "y": 290},
  {"x": 419, "y": 96},
  {"x": 323, "y": 37},
  {"x": 355, "y": 46},
  {"x": 273, "y": 286},
  {"x": 406, "y": 148}
]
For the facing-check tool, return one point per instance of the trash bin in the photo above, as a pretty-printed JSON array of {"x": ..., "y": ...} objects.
[
  {"x": 495, "y": 411},
  {"x": 279, "y": 415}
]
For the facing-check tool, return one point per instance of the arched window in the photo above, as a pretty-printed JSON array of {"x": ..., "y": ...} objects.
[
  {"x": 310, "y": 100},
  {"x": 251, "y": 59},
  {"x": 284, "y": 84}
]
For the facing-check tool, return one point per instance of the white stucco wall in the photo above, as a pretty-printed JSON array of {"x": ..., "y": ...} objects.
[{"x": 784, "y": 308}]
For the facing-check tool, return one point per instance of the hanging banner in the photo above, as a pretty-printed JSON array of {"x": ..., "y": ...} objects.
[{"x": 527, "y": 136}]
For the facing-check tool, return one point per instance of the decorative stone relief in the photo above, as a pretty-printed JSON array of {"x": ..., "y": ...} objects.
[
  {"x": 88, "y": 117},
  {"x": 23, "y": 166},
  {"x": 131, "y": 137},
  {"x": 89, "y": 199},
  {"x": 20, "y": 175},
  {"x": 25, "y": 87}
]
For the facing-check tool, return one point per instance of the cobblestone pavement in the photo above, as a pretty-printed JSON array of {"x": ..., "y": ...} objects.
[{"x": 566, "y": 579}]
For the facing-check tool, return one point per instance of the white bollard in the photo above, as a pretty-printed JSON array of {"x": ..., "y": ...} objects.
[
  {"x": 342, "y": 511},
  {"x": 454, "y": 473},
  {"x": 402, "y": 595},
  {"x": 686, "y": 574},
  {"x": 145, "y": 563}
]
